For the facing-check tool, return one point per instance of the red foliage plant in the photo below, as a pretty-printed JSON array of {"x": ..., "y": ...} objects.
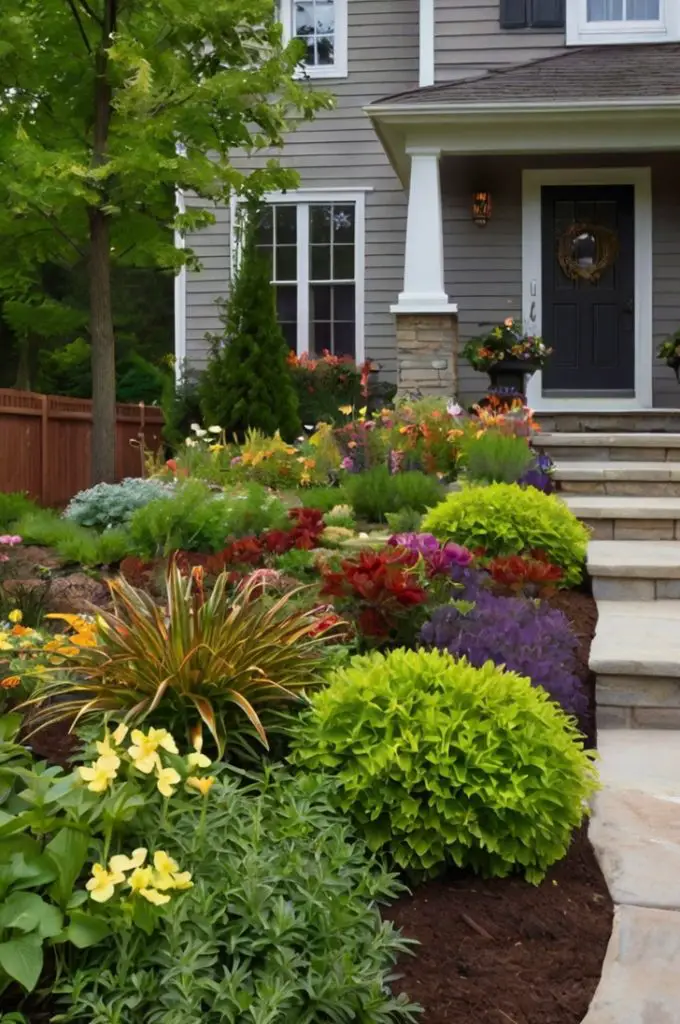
[
  {"x": 377, "y": 589},
  {"x": 521, "y": 574}
]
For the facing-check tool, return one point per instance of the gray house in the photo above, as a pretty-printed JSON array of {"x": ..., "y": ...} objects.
[{"x": 485, "y": 159}]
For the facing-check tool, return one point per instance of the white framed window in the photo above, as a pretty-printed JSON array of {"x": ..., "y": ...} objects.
[
  {"x": 322, "y": 26},
  {"x": 622, "y": 21},
  {"x": 315, "y": 242}
]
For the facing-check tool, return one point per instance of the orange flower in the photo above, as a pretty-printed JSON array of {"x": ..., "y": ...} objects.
[
  {"x": 20, "y": 630},
  {"x": 10, "y": 682}
]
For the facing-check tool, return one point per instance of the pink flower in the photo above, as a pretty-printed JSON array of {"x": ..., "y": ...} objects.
[
  {"x": 10, "y": 539},
  {"x": 347, "y": 463}
]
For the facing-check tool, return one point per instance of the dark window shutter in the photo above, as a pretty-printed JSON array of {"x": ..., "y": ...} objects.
[
  {"x": 547, "y": 13},
  {"x": 515, "y": 13}
]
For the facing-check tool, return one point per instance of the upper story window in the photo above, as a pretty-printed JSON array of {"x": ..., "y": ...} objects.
[
  {"x": 541, "y": 14},
  {"x": 623, "y": 21},
  {"x": 322, "y": 26}
]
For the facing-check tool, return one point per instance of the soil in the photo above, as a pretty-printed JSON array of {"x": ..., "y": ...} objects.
[
  {"x": 506, "y": 952},
  {"x": 503, "y": 951}
]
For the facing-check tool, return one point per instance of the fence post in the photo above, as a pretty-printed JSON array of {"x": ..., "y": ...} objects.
[{"x": 44, "y": 449}]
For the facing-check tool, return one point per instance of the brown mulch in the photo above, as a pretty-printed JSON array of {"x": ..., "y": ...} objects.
[
  {"x": 506, "y": 952},
  {"x": 502, "y": 951}
]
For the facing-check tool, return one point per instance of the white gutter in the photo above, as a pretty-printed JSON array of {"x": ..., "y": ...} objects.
[{"x": 653, "y": 104}]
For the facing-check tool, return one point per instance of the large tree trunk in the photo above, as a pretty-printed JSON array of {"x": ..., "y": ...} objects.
[
  {"x": 103, "y": 351},
  {"x": 101, "y": 312}
]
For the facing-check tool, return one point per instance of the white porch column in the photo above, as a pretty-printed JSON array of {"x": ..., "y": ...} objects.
[{"x": 424, "y": 258}]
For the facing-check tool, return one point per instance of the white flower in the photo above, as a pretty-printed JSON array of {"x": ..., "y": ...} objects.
[
  {"x": 307, "y": 426},
  {"x": 196, "y": 427},
  {"x": 454, "y": 409},
  {"x": 363, "y": 536},
  {"x": 190, "y": 442},
  {"x": 215, "y": 430}
]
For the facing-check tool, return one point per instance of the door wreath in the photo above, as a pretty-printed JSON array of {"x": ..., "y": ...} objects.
[{"x": 605, "y": 248}]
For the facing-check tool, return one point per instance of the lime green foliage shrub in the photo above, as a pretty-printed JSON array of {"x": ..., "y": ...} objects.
[
  {"x": 505, "y": 519},
  {"x": 196, "y": 518},
  {"x": 495, "y": 457},
  {"x": 281, "y": 924},
  {"x": 375, "y": 492},
  {"x": 72, "y": 542},
  {"x": 248, "y": 381},
  {"x": 439, "y": 762},
  {"x": 13, "y": 506}
]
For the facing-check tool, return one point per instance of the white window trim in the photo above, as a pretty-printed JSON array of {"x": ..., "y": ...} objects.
[
  {"x": 339, "y": 68},
  {"x": 180, "y": 296},
  {"x": 302, "y": 198},
  {"x": 581, "y": 32}
]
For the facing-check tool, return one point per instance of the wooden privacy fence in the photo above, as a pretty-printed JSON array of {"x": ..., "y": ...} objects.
[{"x": 45, "y": 443}]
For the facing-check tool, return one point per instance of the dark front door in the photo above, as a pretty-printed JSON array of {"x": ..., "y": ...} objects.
[{"x": 588, "y": 289}]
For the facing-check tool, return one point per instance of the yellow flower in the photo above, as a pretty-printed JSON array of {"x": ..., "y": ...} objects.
[
  {"x": 167, "y": 780},
  {"x": 10, "y": 682},
  {"x": 164, "y": 863},
  {"x": 202, "y": 785},
  {"x": 346, "y": 410},
  {"x": 198, "y": 760},
  {"x": 120, "y": 733},
  {"x": 215, "y": 448},
  {"x": 362, "y": 412},
  {"x": 144, "y": 749},
  {"x": 122, "y": 863},
  {"x": 15, "y": 616},
  {"x": 102, "y": 884},
  {"x": 141, "y": 878},
  {"x": 182, "y": 880},
  {"x": 155, "y": 897},
  {"x": 100, "y": 774}
]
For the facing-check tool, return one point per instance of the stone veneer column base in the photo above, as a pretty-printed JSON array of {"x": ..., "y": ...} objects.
[{"x": 426, "y": 354}]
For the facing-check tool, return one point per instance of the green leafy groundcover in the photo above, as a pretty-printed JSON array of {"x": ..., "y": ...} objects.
[
  {"x": 281, "y": 926},
  {"x": 439, "y": 762},
  {"x": 505, "y": 519}
]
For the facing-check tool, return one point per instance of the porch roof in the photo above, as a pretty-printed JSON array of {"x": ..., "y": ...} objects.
[
  {"x": 616, "y": 99},
  {"x": 592, "y": 73}
]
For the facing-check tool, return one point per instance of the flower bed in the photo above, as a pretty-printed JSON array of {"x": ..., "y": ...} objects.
[{"x": 285, "y": 645}]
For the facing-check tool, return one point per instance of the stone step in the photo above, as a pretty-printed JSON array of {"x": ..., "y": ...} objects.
[
  {"x": 642, "y": 447},
  {"x": 632, "y": 422},
  {"x": 636, "y": 660},
  {"x": 619, "y": 517},
  {"x": 625, "y": 570},
  {"x": 631, "y": 479}
]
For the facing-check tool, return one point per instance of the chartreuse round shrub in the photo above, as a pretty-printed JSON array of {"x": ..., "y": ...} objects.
[
  {"x": 505, "y": 519},
  {"x": 441, "y": 763}
]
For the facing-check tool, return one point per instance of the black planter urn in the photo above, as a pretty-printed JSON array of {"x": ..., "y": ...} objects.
[
  {"x": 674, "y": 363},
  {"x": 510, "y": 374}
]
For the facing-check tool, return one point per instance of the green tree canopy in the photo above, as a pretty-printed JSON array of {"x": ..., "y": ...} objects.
[{"x": 106, "y": 108}]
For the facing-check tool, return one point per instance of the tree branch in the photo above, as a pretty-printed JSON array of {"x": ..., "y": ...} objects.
[
  {"x": 81, "y": 29},
  {"x": 93, "y": 14},
  {"x": 55, "y": 224}
]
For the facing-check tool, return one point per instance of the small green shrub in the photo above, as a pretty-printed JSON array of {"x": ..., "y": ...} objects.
[
  {"x": 404, "y": 521},
  {"x": 281, "y": 924},
  {"x": 72, "y": 542},
  {"x": 505, "y": 519},
  {"x": 195, "y": 518},
  {"x": 439, "y": 762},
  {"x": 494, "y": 457},
  {"x": 108, "y": 505},
  {"x": 323, "y": 498},
  {"x": 13, "y": 506},
  {"x": 375, "y": 492}
]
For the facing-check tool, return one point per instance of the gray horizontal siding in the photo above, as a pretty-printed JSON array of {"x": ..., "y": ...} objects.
[
  {"x": 483, "y": 266},
  {"x": 338, "y": 149},
  {"x": 468, "y": 37}
]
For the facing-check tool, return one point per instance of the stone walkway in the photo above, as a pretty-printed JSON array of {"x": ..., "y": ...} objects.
[{"x": 627, "y": 488}]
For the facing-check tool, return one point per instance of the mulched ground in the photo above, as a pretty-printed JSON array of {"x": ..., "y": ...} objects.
[{"x": 503, "y": 951}]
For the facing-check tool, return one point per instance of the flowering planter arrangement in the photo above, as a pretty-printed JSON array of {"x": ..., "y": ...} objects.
[
  {"x": 669, "y": 350},
  {"x": 507, "y": 354}
]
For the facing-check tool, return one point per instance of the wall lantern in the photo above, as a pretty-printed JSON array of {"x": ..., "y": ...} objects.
[{"x": 481, "y": 208}]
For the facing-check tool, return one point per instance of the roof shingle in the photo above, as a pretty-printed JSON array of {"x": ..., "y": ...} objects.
[{"x": 589, "y": 73}]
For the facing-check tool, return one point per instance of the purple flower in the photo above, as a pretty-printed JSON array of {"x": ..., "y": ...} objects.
[
  {"x": 10, "y": 539},
  {"x": 347, "y": 463},
  {"x": 423, "y": 543},
  {"x": 235, "y": 461},
  {"x": 527, "y": 637}
]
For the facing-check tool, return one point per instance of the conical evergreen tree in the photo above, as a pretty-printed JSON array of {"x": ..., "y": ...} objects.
[{"x": 248, "y": 381}]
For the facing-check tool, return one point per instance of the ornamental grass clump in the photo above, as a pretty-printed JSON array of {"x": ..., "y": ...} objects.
[
  {"x": 202, "y": 657},
  {"x": 505, "y": 519},
  {"x": 523, "y": 636},
  {"x": 440, "y": 763}
]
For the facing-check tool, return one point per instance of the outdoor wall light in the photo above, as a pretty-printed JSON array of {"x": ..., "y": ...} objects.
[{"x": 481, "y": 208}]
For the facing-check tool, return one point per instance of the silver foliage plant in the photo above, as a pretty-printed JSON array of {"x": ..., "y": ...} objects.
[{"x": 106, "y": 506}]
